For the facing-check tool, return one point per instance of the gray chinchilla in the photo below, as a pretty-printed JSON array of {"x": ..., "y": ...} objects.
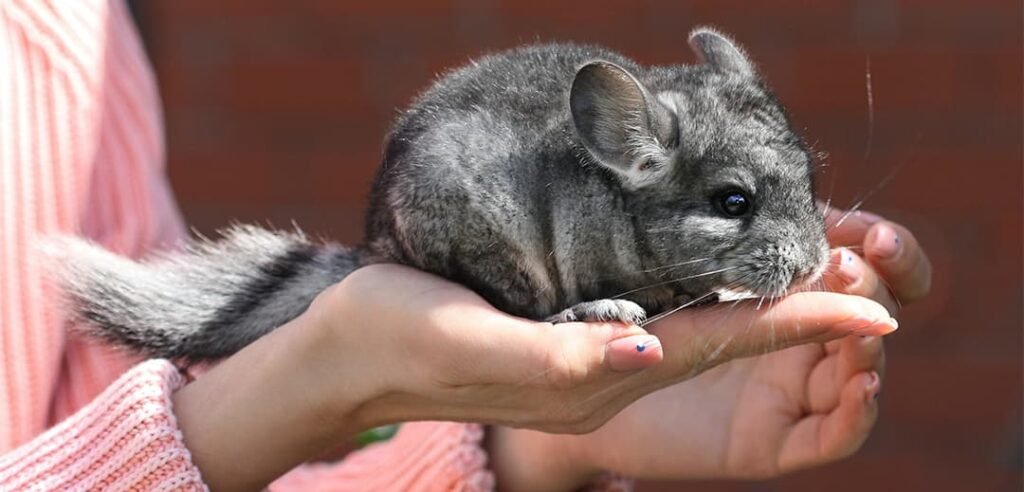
[{"x": 558, "y": 181}]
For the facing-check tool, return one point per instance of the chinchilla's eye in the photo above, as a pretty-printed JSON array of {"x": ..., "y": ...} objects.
[{"x": 733, "y": 203}]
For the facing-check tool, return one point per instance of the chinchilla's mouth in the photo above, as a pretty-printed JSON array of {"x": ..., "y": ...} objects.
[{"x": 800, "y": 283}]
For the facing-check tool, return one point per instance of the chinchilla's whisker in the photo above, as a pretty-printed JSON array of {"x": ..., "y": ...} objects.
[
  {"x": 603, "y": 391},
  {"x": 869, "y": 93},
  {"x": 730, "y": 311},
  {"x": 850, "y": 211},
  {"x": 892, "y": 292},
  {"x": 671, "y": 281},
  {"x": 674, "y": 265},
  {"x": 833, "y": 177},
  {"x": 676, "y": 309},
  {"x": 819, "y": 285},
  {"x": 881, "y": 184},
  {"x": 773, "y": 340}
]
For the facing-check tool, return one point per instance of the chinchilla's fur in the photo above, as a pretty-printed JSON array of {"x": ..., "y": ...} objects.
[{"x": 558, "y": 181}]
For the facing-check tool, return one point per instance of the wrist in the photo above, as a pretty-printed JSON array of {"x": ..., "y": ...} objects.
[{"x": 266, "y": 409}]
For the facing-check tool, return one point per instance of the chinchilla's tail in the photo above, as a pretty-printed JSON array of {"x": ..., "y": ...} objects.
[{"x": 203, "y": 303}]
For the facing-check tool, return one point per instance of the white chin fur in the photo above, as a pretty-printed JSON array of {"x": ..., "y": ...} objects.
[{"x": 732, "y": 295}]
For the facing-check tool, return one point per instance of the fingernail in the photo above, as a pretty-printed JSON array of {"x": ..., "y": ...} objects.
[
  {"x": 856, "y": 324},
  {"x": 881, "y": 327},
  {"x": 632, "y": 353},
  {"x": 862, "y": 325},
  {"x": 868, "y": 217},
  {"x": 845, "y": 266},
  {"x": 886, "y": 244}
]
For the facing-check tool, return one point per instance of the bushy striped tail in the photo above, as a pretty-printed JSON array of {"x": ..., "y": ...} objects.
[{"x": 203, "y": 303}]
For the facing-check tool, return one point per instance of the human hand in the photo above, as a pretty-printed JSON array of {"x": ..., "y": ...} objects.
[
  {"x": 391, "y": 344},
  {"x": 442, "y": 353},
  {"x": 750, "y": 418},
  {"x": 903, "y": 271}
]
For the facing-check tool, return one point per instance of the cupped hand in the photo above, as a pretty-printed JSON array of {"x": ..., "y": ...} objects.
[
  {"x": 752, "y": 417},
  {"x": 433, "y": 350}
]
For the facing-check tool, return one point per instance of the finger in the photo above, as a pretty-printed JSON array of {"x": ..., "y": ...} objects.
[
  {"x": 844, "y": 228},
  {"x": 497, "y": 348},
  {"x": 716, "y": 334},
  {"x": 823, "y": 438},
  {"x": 848, "y": 273},
  {"x": 899, "y": 259},
  {"x": 827, "y": 379}
]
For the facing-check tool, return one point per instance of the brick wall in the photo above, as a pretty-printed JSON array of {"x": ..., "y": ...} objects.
[{"x": 276, "y": 112}]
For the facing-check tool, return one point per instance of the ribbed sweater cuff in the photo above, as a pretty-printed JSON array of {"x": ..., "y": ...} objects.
[
  {"x": 423, "y": 456},
  {"x": 127, "y": 438}
]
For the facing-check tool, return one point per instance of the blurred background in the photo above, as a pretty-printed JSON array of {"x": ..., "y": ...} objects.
[{"x": 276, "y": 112}]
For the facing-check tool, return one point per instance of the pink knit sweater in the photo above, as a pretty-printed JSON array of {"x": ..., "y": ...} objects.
[{"x": 81, "y": 151}]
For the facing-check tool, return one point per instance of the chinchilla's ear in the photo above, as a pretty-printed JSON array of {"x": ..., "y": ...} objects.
[
  {"x": 620, "y": 124},
  {"x": 717, "y": 50}
]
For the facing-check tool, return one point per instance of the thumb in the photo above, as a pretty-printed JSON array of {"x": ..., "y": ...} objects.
[
  {"x": 727, "y": 331},
  {"x": 563, "y": 355}
]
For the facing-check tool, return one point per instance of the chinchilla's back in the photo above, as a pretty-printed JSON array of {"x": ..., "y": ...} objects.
[{"x": 526, "y": 86}]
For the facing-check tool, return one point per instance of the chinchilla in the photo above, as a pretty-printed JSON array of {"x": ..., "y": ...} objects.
[{"x": 559, "y": 181}]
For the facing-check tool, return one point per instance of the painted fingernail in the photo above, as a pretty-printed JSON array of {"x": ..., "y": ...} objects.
[
  {"x": 845, "y": 267},
  {"x": 887, "y": 243},
  {"x": 632, "y": 353},
  {"x": 862, "y": 325}
]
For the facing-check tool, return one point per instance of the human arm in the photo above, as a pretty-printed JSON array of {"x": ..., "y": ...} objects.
[{"x": 391, "y": 344}]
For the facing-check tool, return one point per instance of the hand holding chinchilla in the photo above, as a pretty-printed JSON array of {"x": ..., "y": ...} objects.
[{"x": 559, "y": 183}]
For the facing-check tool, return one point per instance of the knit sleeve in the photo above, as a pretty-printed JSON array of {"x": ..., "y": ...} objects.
[
  {"x": 422, "y": 456},
  {"x": 125, "y": 439}
]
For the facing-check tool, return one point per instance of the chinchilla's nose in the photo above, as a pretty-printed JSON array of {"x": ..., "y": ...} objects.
[{"x": 811, "y": 265}]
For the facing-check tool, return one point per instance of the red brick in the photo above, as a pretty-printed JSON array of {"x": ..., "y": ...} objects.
[
  {"x": 344, "y": 179},
  {"x": 238, "y": 176},
  {"x": 308, "y": 87}
]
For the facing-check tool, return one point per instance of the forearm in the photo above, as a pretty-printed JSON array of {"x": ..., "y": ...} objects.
[{"x": 263, "y": 411}]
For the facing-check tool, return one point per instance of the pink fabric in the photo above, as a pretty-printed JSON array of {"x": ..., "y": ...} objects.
[{"x": 81, "y": 151}]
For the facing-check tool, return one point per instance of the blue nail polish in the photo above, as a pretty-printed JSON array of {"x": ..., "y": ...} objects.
[{"x": 640, "y": 347}]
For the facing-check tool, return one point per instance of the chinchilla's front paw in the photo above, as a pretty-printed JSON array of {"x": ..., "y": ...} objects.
[{"x": 603, "y": 310}]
